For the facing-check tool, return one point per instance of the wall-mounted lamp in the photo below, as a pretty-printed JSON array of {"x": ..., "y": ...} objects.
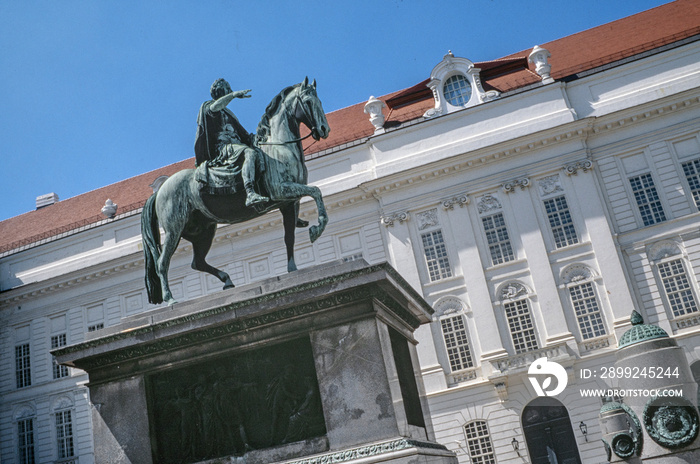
[
  {"x": 584, "y": 430},
  {"x": 516, "y": 445}
]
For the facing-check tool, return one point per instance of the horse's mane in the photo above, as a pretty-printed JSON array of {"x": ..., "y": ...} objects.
[{"x": 263, "y": 131}]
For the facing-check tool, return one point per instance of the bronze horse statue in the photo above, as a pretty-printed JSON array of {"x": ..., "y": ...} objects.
[{"x": 184, "y": 211}]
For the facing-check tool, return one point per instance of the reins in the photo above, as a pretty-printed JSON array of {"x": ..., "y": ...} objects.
[{"x": 298, "y": 139}]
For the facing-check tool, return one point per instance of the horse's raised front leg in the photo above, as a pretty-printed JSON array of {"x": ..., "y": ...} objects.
[
  {"x": 289, "y": 220},
  {"x": 201, "y": 244},
  {"x": 292, "y": 191}
]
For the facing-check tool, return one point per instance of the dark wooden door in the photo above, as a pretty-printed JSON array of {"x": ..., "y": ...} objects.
[{"x": 548, "y": 432}]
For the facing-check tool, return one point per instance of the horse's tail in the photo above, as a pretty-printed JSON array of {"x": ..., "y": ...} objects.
[{"x": 150, "y": 237}]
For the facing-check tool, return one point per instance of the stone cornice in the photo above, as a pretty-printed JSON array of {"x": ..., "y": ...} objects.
[
  {"x": 645, "y": 112},
  {"x": 361, "y": 282}
]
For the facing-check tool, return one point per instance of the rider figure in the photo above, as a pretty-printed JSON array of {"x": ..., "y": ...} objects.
[{"x": 221, "y": 140}]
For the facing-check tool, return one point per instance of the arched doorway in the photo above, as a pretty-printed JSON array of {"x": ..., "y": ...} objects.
[{"x": 548, "y": 433}]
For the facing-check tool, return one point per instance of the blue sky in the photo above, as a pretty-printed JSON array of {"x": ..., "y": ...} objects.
[{"x": 94, "y": 92}]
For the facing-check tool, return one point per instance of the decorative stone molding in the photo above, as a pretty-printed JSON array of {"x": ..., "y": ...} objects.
[
  {"x": 455, "y": 378},
  {"x": 539, "y": 57},
  {"x": 512, "y": 290},
  {"x": 488, "y": 203},
  {"x": 523, "y": 183},
  {"x": 687, "y": 321},
  {"x": 61, "y": 402},
  {"x": 576, "y": 273},
  {"x": 572, "y": 169},
  {"x": 448, "y": 204},
  {"x": 595, "y": 344},
  {"x": 383, "y": 449},
  {"x": 501, "y": 391},
  {"x": 400, "y": 216},
  {"x": 662, "y": 250},
  {"x": 449, "y": 305},
  {"x": 374, "y": 108},
  {"x": 523, "y": 360},
  {"x": 462, "y": 76},
  {"x": 427, "y": 219},
  {"x": 24, "y": 411},
  {"x": 550, "y": 185}
]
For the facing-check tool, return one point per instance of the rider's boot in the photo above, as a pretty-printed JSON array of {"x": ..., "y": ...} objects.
[{"x": 253, "y": 198}]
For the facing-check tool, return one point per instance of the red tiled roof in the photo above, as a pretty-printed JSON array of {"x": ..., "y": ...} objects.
[{"x": 579, "y": 52}]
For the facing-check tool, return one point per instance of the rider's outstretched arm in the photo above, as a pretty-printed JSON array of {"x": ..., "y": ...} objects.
[{"x": 222, "y": 102}]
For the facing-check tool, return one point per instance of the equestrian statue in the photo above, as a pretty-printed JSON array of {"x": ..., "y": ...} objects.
[{"x": 238, "y": 177}]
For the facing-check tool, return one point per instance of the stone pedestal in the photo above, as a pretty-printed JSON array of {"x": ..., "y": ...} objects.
[{"x": 315, "y": 366}]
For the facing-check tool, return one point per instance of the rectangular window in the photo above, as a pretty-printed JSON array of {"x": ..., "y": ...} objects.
[
  {"x": 23, "y": 370},
  {"x": 647, "y": 199},
  {"x": 25, "y": 441},
  {"x": 497, "y": 237},
  {"x": 522, "y": 330},
  {"x": 479, "y": 443},
  {"x": 436, "y": 255},
  {"x": 64, "y": 434},
  {"x": 691, "y": 169},
  {"x": 457, "y": 342},
  {"x": 677, "y": 286},
  {"x": 59, "y": 371},
  {"x": 590, "y": 321},
  {"x": 560, "y": 222}
]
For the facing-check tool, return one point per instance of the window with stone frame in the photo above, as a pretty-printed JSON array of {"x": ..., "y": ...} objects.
[
  {"x": 521, "y": 326},
  {"x": 25, "y": 441},
  {"x": 560, "y": 222},
  {"x": 454, "y": 333},
  {"x": 23, "y": 368},
  {"x": 479, "y": 443},
  {"x": 647, "y": 198},
  {"x": 587, "y": 310},
  {"x": 691, "y": 169},
  {"x": 58, "y": 341},
  {"x": 677, "y": 287},
  {"x": 583, "y": 294},
  {"x": 64, "y": 434},
  {"x": 500, "y": 248},
  {"x": 435, "y": 254}
]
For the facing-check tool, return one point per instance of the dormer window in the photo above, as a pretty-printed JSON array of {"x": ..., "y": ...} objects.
[{"x": 456, "y": 84}]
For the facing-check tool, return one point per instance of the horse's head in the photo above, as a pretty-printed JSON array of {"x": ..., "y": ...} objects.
[{"x": 310, "y": 112}]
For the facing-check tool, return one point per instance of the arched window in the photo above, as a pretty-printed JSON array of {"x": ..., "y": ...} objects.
[
  {"x": 63, "y": 420},
  {"x": 578, "y": 279},
  {"x": 672, "y": 272},
  {"x": 479, "y": 443},
  {"x": 450, "y": 313},
  {"x": 519, "y": 317},
  {"x": 24, "y": 419}
]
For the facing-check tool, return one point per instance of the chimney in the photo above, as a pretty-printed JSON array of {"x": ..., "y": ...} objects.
[{"x": 46, "y": 200}]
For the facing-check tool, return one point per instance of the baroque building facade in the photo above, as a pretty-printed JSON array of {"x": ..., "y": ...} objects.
[{"x": 534, "y": 201}]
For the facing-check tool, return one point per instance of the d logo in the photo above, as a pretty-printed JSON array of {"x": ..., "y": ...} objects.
[{"x": 542, "y": 367}]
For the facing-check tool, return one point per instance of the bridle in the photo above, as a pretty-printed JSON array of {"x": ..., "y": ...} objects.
[{"x": 307, "y": 115}]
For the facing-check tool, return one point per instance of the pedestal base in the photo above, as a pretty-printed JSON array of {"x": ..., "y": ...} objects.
[{"x": 315, "y": 365}]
